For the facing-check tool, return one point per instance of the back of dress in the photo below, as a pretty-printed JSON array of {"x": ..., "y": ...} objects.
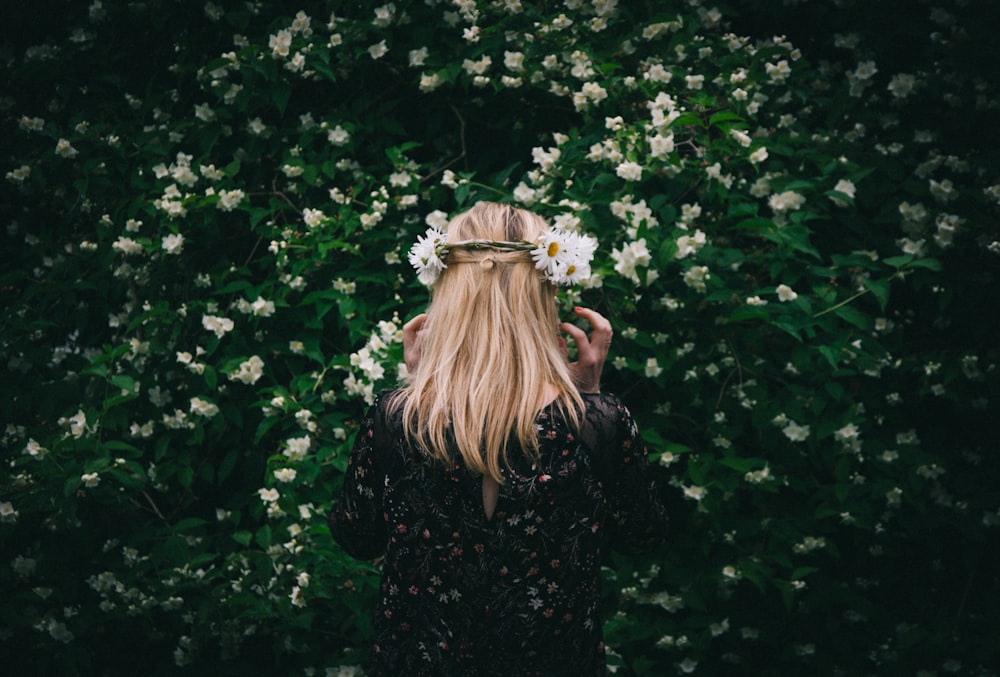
[{"x": 515, "y": 594}]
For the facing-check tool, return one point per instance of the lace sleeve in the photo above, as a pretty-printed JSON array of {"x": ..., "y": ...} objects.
[
  {"x": 356, "y": 520},
  {"x": 637, "y": 516}
]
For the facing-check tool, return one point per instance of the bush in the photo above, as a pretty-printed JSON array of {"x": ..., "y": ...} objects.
[{"x": 208, "y": 215}]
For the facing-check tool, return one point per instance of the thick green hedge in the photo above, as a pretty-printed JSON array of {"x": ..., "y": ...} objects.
[{"x": 207, "y": 211}]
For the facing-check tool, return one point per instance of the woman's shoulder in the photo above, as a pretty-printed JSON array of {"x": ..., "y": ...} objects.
[
  {"x": 603, "y": 400},
  {"x": 606, "y": 411},
  {"x": 388, "y": 402}
]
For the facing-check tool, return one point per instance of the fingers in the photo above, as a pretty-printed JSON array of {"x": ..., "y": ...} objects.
[
  {"x": 579, "y": 336},
  {"x": 601, "y": 328},
  {"x": 411, "y": 328},
  {"x": 591, "y": 351}
]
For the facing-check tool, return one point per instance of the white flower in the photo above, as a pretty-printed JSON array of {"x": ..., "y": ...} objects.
[
  {"x": 437, "y": 219},
  {"x": 741, "y": 137},
  {"x": 338, "y": 136},
  {"x": 477, "y": 67},
  {"x": 902, "y": 85},
  {"x": 90, "y": 479},
  {"x": 399, "y": 179},
  {"x": 660, "y": 146},
  {"x": 786, "y": 201},
  {"x": 262, "y": 308},
  {"x": 384, "y": 15},
  {"x": 758, "y": 155},
  {"x": 218, "y": 325},
  {"x": 280, "y": 43},
  {"x": 630, "y": 171},
  {"x": 230, "y": 199},
  {"x": 796, "y": 432},
  {"x": 913, "y": 213},
  {"x": 285, "y": 474},
  {"x": 19, "y": 175},
  {"x": 34, "y": 449},
  {"x": 695, "y": 277},
  {"x": 564, "y": 256},
  {"x": 65, "y": 149},
  {"x": 695, "y": 493},
  {"x": 77, "y": 424},
  {"x": 653, "y": 369},
  {"x": 847, "y": 188},
  {"x": 545, "y": 159},
  {"x": 7, "y": 512},
  {"x": 689, "y": 244},
  {"x": 296, "y": 596},
  {"x": 425, "y": 256},
  {"x": 297, "y": 447},
  {"x": 378, "y": 50},
  {"x": 268, "y": 495},
  {"x": 514, "y": 61},
  {"x": 173, "y": 243},
  {"x": 126, "y": 246},
  {"x": 785, "y": 293},
  {"x": 430, "y": 81},
  {"x": 250, "y": 371},
  {"x": 204, "y": 112},
  {"x": 694, "y": 81},
  {"x": 313, "y": 217},
  {"x": 203, "y": 407},
  {"x": 631, "y": 255},
  {"x": 256, "y": 127},
  {"x": 524, "y": 194},
  {"x": 778, "y": 72},
  {"x": 865, "y": 70},
  {"x": 417, "y": 57}
]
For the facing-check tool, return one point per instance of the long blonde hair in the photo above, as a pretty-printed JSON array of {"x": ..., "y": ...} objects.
[{"x": 489, "y": 348}]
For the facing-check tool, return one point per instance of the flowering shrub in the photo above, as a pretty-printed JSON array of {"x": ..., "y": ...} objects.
[{"x": 208, "y": 213}]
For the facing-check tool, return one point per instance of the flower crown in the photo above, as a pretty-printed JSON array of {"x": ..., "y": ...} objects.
[{"x": 562, "y": 256}]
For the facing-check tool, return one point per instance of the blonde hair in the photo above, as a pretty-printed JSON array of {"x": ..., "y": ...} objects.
[{"x": 489, "y": 348}]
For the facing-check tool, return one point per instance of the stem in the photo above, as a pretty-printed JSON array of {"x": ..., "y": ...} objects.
[
  {"x": 483, "y": 185},
  {"x": 898, "y": 273},
  {"x": 841, "y": 304}
]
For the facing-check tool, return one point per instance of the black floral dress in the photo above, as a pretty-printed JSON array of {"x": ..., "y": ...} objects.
[{"x": 463, "y": 595}]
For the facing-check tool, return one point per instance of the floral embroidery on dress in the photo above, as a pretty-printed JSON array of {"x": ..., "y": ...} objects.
[{"x": 464, "y": 595}]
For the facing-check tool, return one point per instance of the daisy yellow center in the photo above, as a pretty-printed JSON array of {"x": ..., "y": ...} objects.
[
  {"x": 571, "y": 270},
  {"x": 553, "y": 249}
]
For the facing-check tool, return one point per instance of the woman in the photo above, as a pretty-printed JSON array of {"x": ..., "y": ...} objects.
[{"x": 494, "y": 481}]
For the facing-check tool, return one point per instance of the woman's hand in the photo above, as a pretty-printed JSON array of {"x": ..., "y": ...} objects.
[
  {"x": 412, "y": 331},
  {"x": 591, "y": 351}
]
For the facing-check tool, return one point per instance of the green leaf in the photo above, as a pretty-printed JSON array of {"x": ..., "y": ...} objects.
[
  {"x": 190, "y": 523},
  {"x": 227, "y": 464},
  {"x": 280, "y": 93},
  {"x": 724, "y": 116},
  {"x": 854, "y": 316},
  {"x": 71, "y": 484},
  {"x": 211, "y": 378},
  {"x": 263, "y": 536},
  {"x": 830, "y": 354},
  {"x": 898, "y": 262},
  {"x": 880, "y": 290}
]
